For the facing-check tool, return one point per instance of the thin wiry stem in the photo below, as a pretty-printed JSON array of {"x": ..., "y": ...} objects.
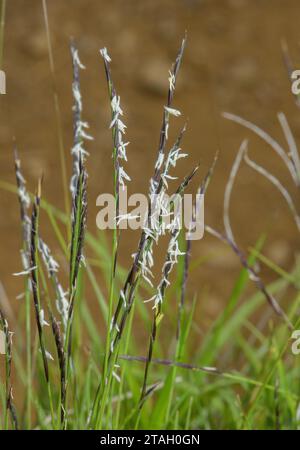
[
  {"x": 79, "y": 214},
  {"x": 267, "y": 138},
  {"x": 292, "y": 162},
  {"x": 202, "y": 191},
  {"x": 78, "y": 189},
  {"x": 34, "y": 270},
  {"x": 24, "y": 202},
  {"x": 170, "y": 261},
  {"x": 253, "y": 275},
  {"x": 277, "y": 405},
  {"x": 59, "y": 336},
  {"x": 168, "y": 362},
  {"x": 277, "y": 184},
  {"x": 186, "y": 265},
  {"x": 229, "y": 186},
  {"x": 166, "y": 114},
  {"x": 8, "y": 387},
  {"x": 59, "y": 342},
  {"x": 120, "y": 177},
  {"x": 294, "y": 153},
  {"x": 52, "y": 268}
]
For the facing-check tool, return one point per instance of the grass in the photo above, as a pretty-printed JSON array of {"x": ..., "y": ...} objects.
[{"x": 80, "y": 365}]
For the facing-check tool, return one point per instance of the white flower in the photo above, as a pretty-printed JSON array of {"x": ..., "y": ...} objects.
[
  {"x": 123, "y": 176},
  {"x": 78, "y": 149},
  {"x": 146, "y": 263},
  {"x": 115, "y": 105},
  {"x": 121, "y": 126},
  {"x": 105, "y": 55},
  {"x": 126, "y": 217},
  {"x": 146, "y": 273},
  {"x": 24, "y": 197},
  {"x": 119, "y": 129},
  {"x": 210, "y": 369},
  {"x": 76, "y": 59},
  {"x": 43, "y": 322},
  {"x": 149, "y": 232},
  {"x": 77, "y": 96},
  {"x": 167, "y": 130},
  {"x": 24, "y": 272},
  {"x": 171, "y": 81},
  {"x": 49, "y": 356},
  {"x": 159, "y": 161},
  {"x": 164, "y": 178},
  {"x": 174, "y": 155},
  {"x": 62, "y": 304},
  {"x": 172, "y": 111},
  {"x": 81, "y": 126},
  {"x": 50, "y": 263},
  {"x": 122, "y": 149},
  {"x": 122, "y": 295},
  {"x": 150, "y": 299}
]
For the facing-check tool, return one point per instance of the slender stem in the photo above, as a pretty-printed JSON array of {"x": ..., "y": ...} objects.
[
  {"x": 105, "y": 385},
  {"x": 8, "y": 402},
  {"x": 181, "y": 303},
  {"x": 122, "y": 376},
  {"x": 111, "y": 296},
  {"x": 28, "y": 355},
  {"x": 36, "y": 291},
  {"x": 143, "y": 396},
  {"x": 106, "y": 379},
  {"x": 7, "y": 377},
  {"x": 76, "y": 247}
]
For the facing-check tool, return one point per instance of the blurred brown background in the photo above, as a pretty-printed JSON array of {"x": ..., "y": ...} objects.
[{"x": 233, "y": 62}]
